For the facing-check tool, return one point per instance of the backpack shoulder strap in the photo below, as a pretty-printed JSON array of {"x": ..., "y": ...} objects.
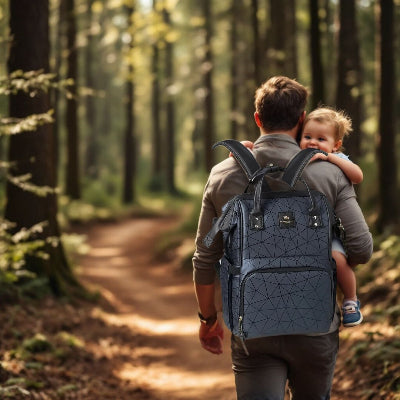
[
  {"x": 242, "y": 155},
  {"x": 297, "y": 164}
]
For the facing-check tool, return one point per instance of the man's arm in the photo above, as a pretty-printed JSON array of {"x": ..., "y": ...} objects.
[
  {"x": 204, "y": 273},
  {"x": 205, "y": 299},
  {"x": 359, "y": 244}
]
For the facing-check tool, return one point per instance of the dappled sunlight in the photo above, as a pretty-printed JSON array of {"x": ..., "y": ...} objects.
[
  {"x": 176, "y": 327},
  {"x": 153, "y": 352},
  {"x": 105, "y": 252},
  {"x": 177, "y": 290},
  {"x": 156, "y": 327},
  {"x": 179, "y": 382}
]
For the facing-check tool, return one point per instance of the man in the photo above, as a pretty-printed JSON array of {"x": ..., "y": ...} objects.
[{"x": 306, "y": 361}]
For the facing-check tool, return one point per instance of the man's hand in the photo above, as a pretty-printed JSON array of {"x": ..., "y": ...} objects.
[{"x": 211, "y": 337}]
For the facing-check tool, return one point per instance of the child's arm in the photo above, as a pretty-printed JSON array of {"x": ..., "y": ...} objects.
[{"x": 351, "y": 170}]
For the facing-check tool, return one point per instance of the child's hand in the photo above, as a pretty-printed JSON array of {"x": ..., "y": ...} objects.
[
  {"x": 319, "y": 156},
  {"x": 246, "y": 143}
]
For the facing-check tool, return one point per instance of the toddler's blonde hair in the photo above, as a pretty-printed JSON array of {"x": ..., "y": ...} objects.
[{"x": 336, "y": 118}]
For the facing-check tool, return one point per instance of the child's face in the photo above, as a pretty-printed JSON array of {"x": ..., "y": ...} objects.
[{"x": 317, "y": 135}]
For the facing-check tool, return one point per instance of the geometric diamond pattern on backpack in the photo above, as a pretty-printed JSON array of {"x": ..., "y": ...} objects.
[{"x": 285, "y": 278}]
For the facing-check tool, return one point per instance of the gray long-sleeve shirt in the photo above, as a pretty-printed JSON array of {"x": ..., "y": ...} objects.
[{"x": 227, "y": 179}]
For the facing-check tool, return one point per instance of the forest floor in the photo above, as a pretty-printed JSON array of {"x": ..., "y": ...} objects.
[{"x": 139, "y": 341}]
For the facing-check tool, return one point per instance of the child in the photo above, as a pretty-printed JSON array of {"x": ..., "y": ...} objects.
[{"x": 324, "y": 129}]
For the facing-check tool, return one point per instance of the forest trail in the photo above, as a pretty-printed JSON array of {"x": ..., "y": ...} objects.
[{"x": 155, "y": 301}]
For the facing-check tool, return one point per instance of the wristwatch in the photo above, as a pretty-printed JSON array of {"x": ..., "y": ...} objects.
[{"x": 209, "y": 320}]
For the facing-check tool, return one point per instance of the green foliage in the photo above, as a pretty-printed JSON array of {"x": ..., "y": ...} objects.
[
  {"x": 37, "y": 344},
  {"x": 10, "y": 391},
  {"x": 24, "y": 183},
  {"x": 179, "y": 242},
  {"x": 390, "y": 247},
  {"x": 70, "y": 340},
  {"x": 14, "y": 249},
  {"x": 31, "y": 82},
  {"x": 13, "y": 126}
]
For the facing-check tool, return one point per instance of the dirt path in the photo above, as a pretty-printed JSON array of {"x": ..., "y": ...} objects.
[{"x": 156, "y": 302}]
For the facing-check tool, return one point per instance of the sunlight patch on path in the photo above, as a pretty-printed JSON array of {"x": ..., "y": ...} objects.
[
  {"x": 175, "y": 327},
  {"x": 179, "y": 383}
]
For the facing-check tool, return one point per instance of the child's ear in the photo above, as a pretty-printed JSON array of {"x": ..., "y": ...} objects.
[{"x": 338, "y": 145}]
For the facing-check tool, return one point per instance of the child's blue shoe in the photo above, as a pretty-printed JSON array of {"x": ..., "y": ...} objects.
[{"x": 351, "y": 313}]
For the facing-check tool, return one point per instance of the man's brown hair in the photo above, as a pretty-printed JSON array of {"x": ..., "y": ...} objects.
[{"x": 279, "y": 102}]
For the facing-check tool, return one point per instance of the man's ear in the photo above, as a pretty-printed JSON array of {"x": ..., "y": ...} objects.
[
  {"x": 300, "y": 124},
  {"x": 338, "y": 145},
  {"x": 257, "y": 119},
  {"x": 302, "y": 118}
]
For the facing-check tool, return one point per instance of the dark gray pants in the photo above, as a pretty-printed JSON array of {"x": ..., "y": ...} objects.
[{"x": 306, "y": 362}]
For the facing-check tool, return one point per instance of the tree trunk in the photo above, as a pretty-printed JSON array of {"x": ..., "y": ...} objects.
[
  {"x": 170, "y": 108},
  {"x": 234, "y": 70},
  {"x": 291, "y": 47},
  {"x": 388, "y": 193},
  {"x": 329, "y": 50},
  {"x": 349, "y": 82},
  {"x": 92, "y": 146},
  {"x": 208, "y": 134},
  {"x": 129, "y": 148},
  {"x": 156, "y": 115},
  {"x": 317, "y": 73},
  {"x": 33, "y": 152},
  {"x": 72, "y": 174},
  {"x": 59, "y": 46},
  {"x": 257, "y": 55},
  {"x": 277, "y": 38}
]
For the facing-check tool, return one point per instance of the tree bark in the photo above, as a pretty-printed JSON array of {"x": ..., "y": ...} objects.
[
  {"x": 33, "y": 152},
  {"x": 257, "y": 53},
  {"x": 129, "y": 148},
  {"x": 317, "y": 73},
  {"x": 92, "y": 145},
  {"x": 156, "y": 113},
  {"x": 234, "y": 70},
  {"x": 208, "y": 65},
  {"x": 59, "y": 47},
  {"x": 388, "y": 184},
  {"x": 170, "y": 108},
  {"x": 291, "y": 46},
  {"x": 72, "y": 174},
  {"x": 277, "y": 38},
  {"x": 349, "y": 82}
]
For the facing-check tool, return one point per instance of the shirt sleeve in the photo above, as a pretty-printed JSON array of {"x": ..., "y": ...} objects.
[
  {"x": 359, "y": 244},
  {"x": 342, "y": 155},
  {"x": 205, "y": 258}
]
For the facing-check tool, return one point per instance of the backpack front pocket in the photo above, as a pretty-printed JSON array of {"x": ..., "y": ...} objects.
[{"x": 276, "y": 301}]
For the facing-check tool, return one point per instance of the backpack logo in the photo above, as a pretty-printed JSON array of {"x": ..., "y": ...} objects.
[{"x": 286, "y": 220}]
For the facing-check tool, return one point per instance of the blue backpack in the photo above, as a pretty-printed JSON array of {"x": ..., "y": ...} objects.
[{"x": 277, "y": 273}]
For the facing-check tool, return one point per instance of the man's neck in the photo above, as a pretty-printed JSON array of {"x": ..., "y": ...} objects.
[{"x": 292, "y": 133}]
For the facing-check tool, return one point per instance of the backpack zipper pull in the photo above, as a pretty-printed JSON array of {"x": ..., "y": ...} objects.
[{"x": 242, "y": 336}]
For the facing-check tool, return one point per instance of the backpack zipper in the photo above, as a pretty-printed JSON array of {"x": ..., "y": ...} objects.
[{"x": 242, "y": 336}]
